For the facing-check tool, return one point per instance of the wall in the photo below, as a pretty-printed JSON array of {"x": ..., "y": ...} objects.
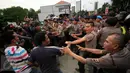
[
  {"x": 51, "y": 9},
  {"x": 77, "y": 6}
]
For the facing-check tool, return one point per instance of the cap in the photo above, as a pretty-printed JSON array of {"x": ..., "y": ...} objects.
[{"x": 99, "y": 17}]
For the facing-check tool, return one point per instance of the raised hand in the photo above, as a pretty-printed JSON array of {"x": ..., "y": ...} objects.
[
  {"x": 68, "y": 42},
  {"x": 63, "y": 48},
  {"x": 66, "y": 50},
  {"x": 72, "y": 35},
  {"x": 80, "y": 48}
]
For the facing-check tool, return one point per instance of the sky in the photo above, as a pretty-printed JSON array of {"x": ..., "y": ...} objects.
[{"x": 35, "y": 4}]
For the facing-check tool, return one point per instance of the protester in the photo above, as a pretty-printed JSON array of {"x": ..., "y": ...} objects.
[
  {"x": 44, "y": 55},
  {"x": 16, "y": 55}
]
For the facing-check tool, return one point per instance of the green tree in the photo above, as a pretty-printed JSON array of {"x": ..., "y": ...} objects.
[
  {"x": 100, "y": 10},
  {"x": 14, "y": 14},
  {"x": 81, "y": 13},
  {"x": 2, "y": 19},
  {"x": 38, "y": 11},
  {"x": 26, "y": 10},
  {"x": 74, "y": 14},
  {"x": 32, "y": 14},
  {"x": 120, "y": 4},
  {"x": 1, "y": 12}
]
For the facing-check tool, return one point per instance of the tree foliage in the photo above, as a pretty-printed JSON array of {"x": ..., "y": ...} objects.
[
  {"x": 32, "y": 14},
  {"x": 81, "y": 13},
  {"x": 104, "y": 7},
  {"x": 38, "y": 11},
  {"x": 16, "y": 14},
  {"x": 120, "y": 4},
  {"x": 117, "y": 6}
]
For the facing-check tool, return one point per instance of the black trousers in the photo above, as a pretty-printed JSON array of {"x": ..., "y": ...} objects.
[{"x": 81, "y": 65}]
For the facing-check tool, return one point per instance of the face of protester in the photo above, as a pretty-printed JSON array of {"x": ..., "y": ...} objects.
[
  {"x": 47, "y": 41},
  {"x": 88, "y": 28},
  {"x": 110, "y": 44},
  {"x": 16, "y": 39}
]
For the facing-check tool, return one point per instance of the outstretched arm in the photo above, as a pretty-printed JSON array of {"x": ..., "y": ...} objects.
[
  {"x": 77, "y": 57},
  {"x": 76, "y": 41},
  {"x": 92, "y": 50}
]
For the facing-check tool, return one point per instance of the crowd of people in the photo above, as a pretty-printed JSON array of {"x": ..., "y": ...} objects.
[{"x": 34, "y": 48}]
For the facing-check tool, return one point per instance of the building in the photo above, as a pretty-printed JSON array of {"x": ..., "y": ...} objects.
[
  {"x": 78, "y": 4},
  {"x": 59, "y": 8},
  {"x": 73, "y": 9}
]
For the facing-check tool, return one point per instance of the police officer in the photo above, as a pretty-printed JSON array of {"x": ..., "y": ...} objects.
[{"x": 116, "y": 61}]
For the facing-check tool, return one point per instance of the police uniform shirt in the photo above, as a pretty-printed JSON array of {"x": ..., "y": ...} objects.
[
  {"x": 104, "y": 32},
  {"x": 121, "y": 60},
  {"x": 91, "y": 40},
  {"x": 60, "y": 30},
  {"x": 74, "y": 29},
  {"x": 98, "y": 25}
]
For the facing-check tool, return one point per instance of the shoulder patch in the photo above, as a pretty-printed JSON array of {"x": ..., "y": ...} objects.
[{"x": 96, "y": 60}]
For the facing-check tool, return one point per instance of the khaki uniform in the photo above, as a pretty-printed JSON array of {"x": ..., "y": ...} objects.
[
  {"x": 91, "y": 40},
  {"x": 60, "y": 30},
  {"x": 119, "y": 60},
  {"x": 98, "y": 26},
  {"x": 73, "y": 29},
  {"x": 105, "y": 32}
]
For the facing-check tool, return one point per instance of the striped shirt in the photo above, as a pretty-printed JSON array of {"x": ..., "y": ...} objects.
[{"x": 17, "y": 58}]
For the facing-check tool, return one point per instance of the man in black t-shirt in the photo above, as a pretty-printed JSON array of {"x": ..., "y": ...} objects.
[{"x": 44, "y": 55}]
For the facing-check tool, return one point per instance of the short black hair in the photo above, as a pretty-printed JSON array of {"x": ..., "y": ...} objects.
[
  {"x": 112, "y": 21},
  {"x": 39, "y": 38},
  {"x": 119, "y": 38},
  {"x": 8, "y": 36}
]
